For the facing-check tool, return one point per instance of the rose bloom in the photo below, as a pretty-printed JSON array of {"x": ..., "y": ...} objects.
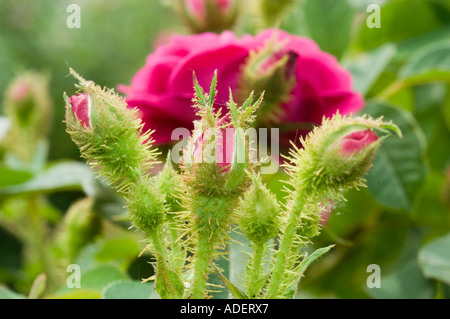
[{"x": 163, "y": 88}]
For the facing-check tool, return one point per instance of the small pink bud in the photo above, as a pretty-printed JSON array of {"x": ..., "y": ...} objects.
[
  {"x": 356, "y": 141},
  {"x": 81, "y": 108},
  {"x": 224, "y": 145},
  {"x": 197, "y": 8},
  {"x": 20, "y": 91},
  {"x": 209, "y": 15}
]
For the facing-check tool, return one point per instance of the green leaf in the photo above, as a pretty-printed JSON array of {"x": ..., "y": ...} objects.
[
  {"x": 6, "y": 293},
  {"x": 92, "y": 281},
  {"x": 290, "y": 293},
  {"x": 99, "y": 277},
  {"x": 309, "y": 259},
  {"x": 407, "y": 282},
  {"x": 58, "y": 177},
  {"x": 434, "y": 259},
  {"x": 367, "y": 68},
  {"x": 10, "y": 177},
  {"x": 127, "y": 289},
  {"x": 403, "y": 278},
  {"x": 399, "y": 169},
  {"x": 237, "y": 294},
  {"x": 38, "y": 287},
  {"x": 431, "y": 63},
  {"x": 400, "y": 20},
  {"x": 329, "y": 23}
]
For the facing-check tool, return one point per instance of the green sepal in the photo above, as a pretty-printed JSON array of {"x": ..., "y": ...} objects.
[
  {"x": 235, "y": 291},
  {"x": 297, "y": 274}
]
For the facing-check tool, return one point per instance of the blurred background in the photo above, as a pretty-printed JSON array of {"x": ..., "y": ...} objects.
[{"x": 401, "y": 222}]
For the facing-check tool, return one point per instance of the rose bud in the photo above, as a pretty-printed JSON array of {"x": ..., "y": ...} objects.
[
  {"x": 260, "y": 213},
  {"x": 356, "y": 141},
  {"x": 222, "y": 144},
  {"x": 270, "y": 70},
  {"x": 28, "y": 106},
  {"x": 209, "y": 15},
  {"x": 81, "y": 108},
  {"x": 338, "y": 154},
  {"x": 109, "y": 134}
]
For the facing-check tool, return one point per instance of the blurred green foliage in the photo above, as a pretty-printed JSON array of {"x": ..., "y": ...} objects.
[{"x": 400, "y": 222}]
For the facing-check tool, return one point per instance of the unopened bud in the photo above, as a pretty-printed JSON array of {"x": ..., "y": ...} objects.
[
  {"x": 260, "y": 220},
  {"x": 209, "y": 15},
  {"x": 271, "y": 70},
  {"x": 222, "y": 141},
  {"x": 28, "y": 106},
  {"x": 338, "y": 154},
  {"x": 109, "y": 135},
  {"x": 357, "y": 141},
  {"x": 81, "y": 108}
]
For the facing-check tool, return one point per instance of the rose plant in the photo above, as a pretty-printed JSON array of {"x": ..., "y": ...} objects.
[{"x": 188, "y": 215}]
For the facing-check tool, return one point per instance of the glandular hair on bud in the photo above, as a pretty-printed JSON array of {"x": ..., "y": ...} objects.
[
  {"x": 170, "y": 184},
  {"x": 260, "y": 214},
  {"x": 114, "y": 143},
  {"x": 334, "y": 157}
]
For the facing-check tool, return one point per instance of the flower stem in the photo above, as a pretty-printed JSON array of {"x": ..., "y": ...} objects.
[
  {"x": 287, "y": 240},
  {"x": 201, "y": 265},
  {"x": 255, "y": 271}
]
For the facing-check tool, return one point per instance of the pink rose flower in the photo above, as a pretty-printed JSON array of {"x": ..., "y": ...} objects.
[
  {"x": 81, "y": 108},
  {"x": 163, "y": 89},
  {"x": 356, "y": 141}
]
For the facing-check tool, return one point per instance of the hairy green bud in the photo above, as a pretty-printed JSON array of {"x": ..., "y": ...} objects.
[
  {"x": 169, "y": 182},
  {"x": 109, "y": 135},
  {"x": 260, "y": 218},
  {"x": 336, "y": 155}
]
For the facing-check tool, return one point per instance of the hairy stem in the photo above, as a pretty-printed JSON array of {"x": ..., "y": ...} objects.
[
  {"x": 201, "y": 265},
  {"x": 255, "y": 269},
  {"x": 287, "y": 240}
]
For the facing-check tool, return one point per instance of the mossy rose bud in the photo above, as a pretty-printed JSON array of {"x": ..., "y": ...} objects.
[
  {"x": 357, "y": 141},
  {"x": 259, "y": 220},
  {"x": 337, "y": 155},
  {"x": 109, "y": 135},
  {"x": 81, "y": 108},
  {"x": 219, "y": 141}
]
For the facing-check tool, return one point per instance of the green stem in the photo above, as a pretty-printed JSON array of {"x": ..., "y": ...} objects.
[
  {"x": 38, "y": 240},
  {"x": 159, "y": 247},
  {"x": 201, "y": 265},
  {"x": 287, "y": 240},
  {"x": 168, "y": 283},
  {"x": 255, "y": 270}
]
